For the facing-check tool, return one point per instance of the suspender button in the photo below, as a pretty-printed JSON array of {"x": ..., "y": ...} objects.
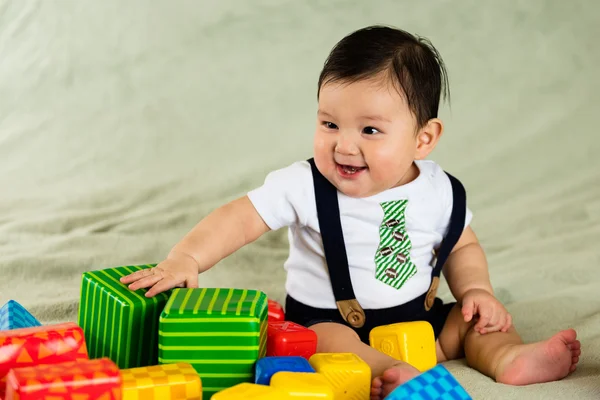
[{"x": 352, "y": 312}]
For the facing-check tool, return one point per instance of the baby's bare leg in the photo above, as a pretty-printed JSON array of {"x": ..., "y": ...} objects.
[
  {"x": 504, "y": 357},
  {"x": 338, "y": 338}
]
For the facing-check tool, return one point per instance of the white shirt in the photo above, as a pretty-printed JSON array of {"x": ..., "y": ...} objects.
[{"x": 287, "y": 199}]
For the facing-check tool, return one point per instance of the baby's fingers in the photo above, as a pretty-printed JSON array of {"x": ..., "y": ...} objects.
[
  {"x": 136, "y": 276},
  {"x": 192, "y": 282},
  {"x": 496, "y": 323},
  {"x": 145, "y": 282},
  {"x": 163, "y": 285},
  {"x": 507, "y": 324},
  {"x": 468, "y": 309},
  {"x": 484, "y": 320}
]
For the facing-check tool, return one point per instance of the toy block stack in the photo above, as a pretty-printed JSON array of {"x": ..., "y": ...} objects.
[
  {"x": 15, "y": 316},
  {"x": 162, "y": 382},
  {"x": 220, "y": 332},
  {"x": 87, "y": 379},
  {"x": 411, "y": 342},
  {"x": 436, "y": 383},
  {"x": 119, "y": 323},
  {"x": 202, "y": 343}
]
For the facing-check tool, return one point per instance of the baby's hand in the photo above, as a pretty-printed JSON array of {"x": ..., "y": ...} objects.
[
  {"x": 176, "y": 271},
  {"x": 493, "y": 316}
]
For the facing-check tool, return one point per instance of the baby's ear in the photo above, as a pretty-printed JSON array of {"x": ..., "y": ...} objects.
[{"x": 428, "y": 137}]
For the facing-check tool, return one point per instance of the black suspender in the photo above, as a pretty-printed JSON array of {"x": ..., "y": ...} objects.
[
  {"x": 455, "y": 230},
  {"x": 335, "y": 250},
  {"x": 328, "y": 212}
]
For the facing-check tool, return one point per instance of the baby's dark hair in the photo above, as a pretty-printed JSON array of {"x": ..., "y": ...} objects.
[{"x": 414, "y": 65}]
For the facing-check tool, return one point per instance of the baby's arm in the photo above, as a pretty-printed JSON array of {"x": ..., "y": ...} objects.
[
  {"x": 221, "y": 233},
  {"x": 218, "y": 235},
  {"x": 466, "y": 267},
  {"x": 469, "y": 281}
]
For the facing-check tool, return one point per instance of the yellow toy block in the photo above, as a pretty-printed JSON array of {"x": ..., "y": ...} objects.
[
  {"x": 411, "y": 342},
  {"x": 303, "y": 385},
  {"x": 347, "y": 373},
  {"x": 161, "y": 382},
  {"x": 250, "y": 391}
]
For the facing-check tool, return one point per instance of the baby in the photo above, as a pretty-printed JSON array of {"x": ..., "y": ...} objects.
[{"x": 370, "y": 253}]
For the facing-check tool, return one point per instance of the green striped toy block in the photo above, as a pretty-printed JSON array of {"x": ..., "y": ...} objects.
[
  {"x": 220, "y": 332},
  {"x": 119, "y": 323}
]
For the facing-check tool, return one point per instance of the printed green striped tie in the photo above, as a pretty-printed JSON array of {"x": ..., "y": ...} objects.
[{"x": 392, "y": 260}]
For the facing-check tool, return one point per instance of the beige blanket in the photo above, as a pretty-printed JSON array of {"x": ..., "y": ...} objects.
[{"x": 124, "y": 123}]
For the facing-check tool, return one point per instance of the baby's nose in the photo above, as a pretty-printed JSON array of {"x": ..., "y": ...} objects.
[{"x": 345, "y": 145}]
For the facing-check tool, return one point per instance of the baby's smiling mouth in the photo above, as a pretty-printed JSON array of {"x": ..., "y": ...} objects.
[{"x": 350, "y": 169}]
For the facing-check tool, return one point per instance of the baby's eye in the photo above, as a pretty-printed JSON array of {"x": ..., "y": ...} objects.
[
  {"x": 369, "y": 130},
  {"x": 329, "y": 125}
]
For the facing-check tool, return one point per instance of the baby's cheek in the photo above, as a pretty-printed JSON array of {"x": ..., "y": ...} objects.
[
  {"x": 385, "y": 162},
  {"x": 321, "y": 144}
]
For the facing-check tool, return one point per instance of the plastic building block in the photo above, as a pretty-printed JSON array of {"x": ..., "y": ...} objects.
[
  {"x": 411, "y": 342},
  {"x": 162, "y": 382},
  {"x": 303, "y": 385},
  {"x": 15, "y": 316},
  {"x": 96, "y": 379},
  {"x": 250, "y": 391},
  {"x": 347, "y": 373},
  {"x": 276, "y": 312},
  {"x": 266, "y": 367},
  {"x": 221, "y": 332},
  {"x": 290, "y": 339},
  {"x": 119, "y": 323},
  {"x": 436, "y": 383},
  {"x": 50, "y": 344}
]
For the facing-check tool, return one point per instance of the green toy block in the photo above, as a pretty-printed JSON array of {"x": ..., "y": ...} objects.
[
  {"x": 119, "y": 323},
  {"x": 220, "y": 332}
]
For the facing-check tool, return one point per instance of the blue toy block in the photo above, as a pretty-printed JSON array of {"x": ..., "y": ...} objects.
[
  {"x": 266, "y": 367},
  {"x": 436, "y": 383},
  {"x": 15, "y": 316}
]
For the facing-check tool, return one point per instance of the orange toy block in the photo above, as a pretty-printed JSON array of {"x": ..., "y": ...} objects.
[
  {"x": 162, "y": 382},
  {"x": 74, "y": 380}
]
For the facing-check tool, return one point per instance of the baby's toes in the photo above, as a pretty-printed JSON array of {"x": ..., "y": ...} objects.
[
  {"x": 573, "y": 367},
  {"x": 377, "y": 383},
  {"x": 575, "y": 348},
  {"x": 376, "y": 388}
]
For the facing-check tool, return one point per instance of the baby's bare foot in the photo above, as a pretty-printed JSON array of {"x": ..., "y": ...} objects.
[
  {"x": 391, "y": 379},
  {"x": 546, "y": 361}
]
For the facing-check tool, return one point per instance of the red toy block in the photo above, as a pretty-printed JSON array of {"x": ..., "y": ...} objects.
[
  {"x": 90, "y": 379},
  {"x": 290, "y": 339},
  {"x": 50, "y": 344},
  {"x": 276, "y": 312}
]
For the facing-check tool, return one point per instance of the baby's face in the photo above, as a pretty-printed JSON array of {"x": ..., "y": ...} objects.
[{"x": 365, "y": 140}]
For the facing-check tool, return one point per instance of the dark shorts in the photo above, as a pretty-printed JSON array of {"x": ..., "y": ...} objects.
[{"x": 414, "y": 310}]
